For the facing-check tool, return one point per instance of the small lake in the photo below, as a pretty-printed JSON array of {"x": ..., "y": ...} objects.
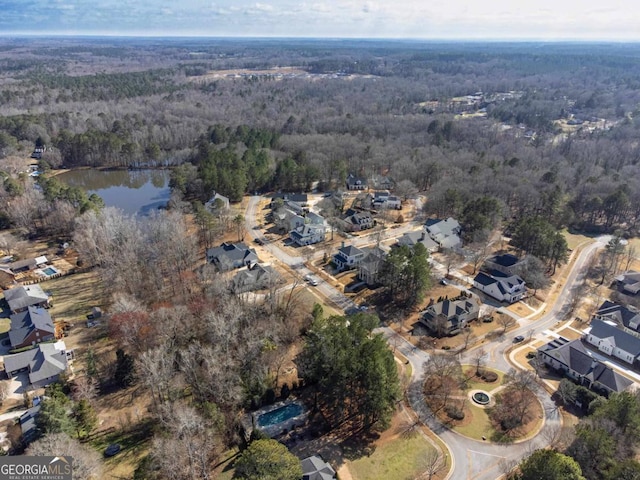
[{"x": 133, "y": 191}]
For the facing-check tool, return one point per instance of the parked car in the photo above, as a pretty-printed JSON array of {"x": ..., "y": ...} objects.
[
  {"x": 112, "y": 450},
  {"x": 518, "y": 339},
  {"x": 259, "y": 241}
]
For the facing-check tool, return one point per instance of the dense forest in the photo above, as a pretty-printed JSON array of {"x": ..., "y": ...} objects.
[{"x": 543, "y": 129}]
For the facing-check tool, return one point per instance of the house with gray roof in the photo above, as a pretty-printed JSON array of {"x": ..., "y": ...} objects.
[
  {"x": 315, "y": 468},
  {"x": 230, "y": 256},
  {"x": 44, "y": 363},
  {"x": 28, "y": 424},
  {"x": 27, "y": 264},
  {"x": 446, "y": 233},
  {"x": 348, "y": 257},
  {"x": 410, "y": 239},
  {"x": 505, "y": 263},
  {"x": 504, "y": 288},
  {"x": 609, "y": 339},
  {"x": 573, "y": 360},
  {"x": 19, "y": 298},
  {"x": 31, "y": 326},
  {"x": 371, "y": 264},
  {"x": 626, "y": 317},
  {"x": 448, "y": 317},
  {"x": 355, "y": 221},
  {"x": 307, "y": 234},
  {"x": 629, "y": 282},
  {"x": 356, "y": 183},
  {"x": 256, "y": 277}
]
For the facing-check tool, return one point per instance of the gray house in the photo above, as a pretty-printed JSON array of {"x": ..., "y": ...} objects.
[
  {"x": 626, "y": 317},
  {"x": 31, "y": 326},
  {"x": 253, "y": 278},
  {"x": 574, "y": 361},
  {"x": 629, "y": 282},
  {"x": 315, "y": 468},
  {"x": 448, "y": 317},
  {"x": 371, "y": 264},
  {"x": 410, "y": 239},
  {"x": 44, "y": 363},
  {"x": 19, "y": 298},
  {"x": 446, "y": 233},
  {"x": 229, "y": 256}
]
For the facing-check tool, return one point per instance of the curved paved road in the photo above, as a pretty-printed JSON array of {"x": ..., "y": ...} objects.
[{"x": 472, "y": 459}]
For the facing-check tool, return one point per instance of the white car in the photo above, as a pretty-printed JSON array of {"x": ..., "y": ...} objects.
[{"x": 311, "y": 280}]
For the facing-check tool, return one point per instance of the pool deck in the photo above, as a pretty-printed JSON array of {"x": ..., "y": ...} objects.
[{"x": 278, "y": 429}]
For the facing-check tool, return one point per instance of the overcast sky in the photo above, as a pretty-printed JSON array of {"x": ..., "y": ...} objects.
[{"x": 444, "y": 19}]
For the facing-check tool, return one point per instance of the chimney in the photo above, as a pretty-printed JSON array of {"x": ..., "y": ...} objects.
[{"x": 342, "y": 244}]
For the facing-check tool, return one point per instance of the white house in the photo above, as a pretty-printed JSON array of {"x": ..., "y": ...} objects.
[
  {"x": 348, "y": 257},
  {"x": 615, "y": 342},
  {"x": 503, "y": 288}
]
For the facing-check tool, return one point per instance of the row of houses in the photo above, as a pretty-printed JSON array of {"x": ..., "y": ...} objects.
[
  {"x": 614, "y": 332},
  {"x": 379, "y": 182}
]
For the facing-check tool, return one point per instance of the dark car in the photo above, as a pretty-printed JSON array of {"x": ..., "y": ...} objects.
[
  {"x": 112, "y": 450},
  {"x": 259, "y": 241},
  {"x": 518, "y": 339}
]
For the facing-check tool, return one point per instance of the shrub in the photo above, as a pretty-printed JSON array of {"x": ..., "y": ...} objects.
[
  {"x": 489, "y": 376},
  {"x": 487, "y": 319},
  {"x": 454, "y": 412},
  {"x": 446, "y": 347},
  {"x": 531, "y": 355}
]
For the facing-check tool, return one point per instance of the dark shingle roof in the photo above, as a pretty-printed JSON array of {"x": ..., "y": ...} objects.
[
  {"x": 619, "y": 313},
  {"x": 484, "y": 279},
  {"x": 609, "y": 378},
  {"x": 23, "y": 323},
  {"x": 43, "y": 362},
  {"x": 622, "y": 339},
  {"x": 505, "y": 260}
]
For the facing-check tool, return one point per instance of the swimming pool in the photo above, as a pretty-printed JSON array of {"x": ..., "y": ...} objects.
[
  {"x": 280, "y": 414},
  {"x": 49, "y": 271}
]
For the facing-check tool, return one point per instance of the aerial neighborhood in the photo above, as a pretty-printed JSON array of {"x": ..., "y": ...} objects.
[{"x": 319, "y": 259}]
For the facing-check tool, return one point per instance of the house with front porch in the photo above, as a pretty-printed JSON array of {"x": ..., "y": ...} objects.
[
  {"x": 503, "y": 288},
  {"x": 308, "y": 234},
  {"x": 356, "y": 183},
  {"x": 355, "y": 221},
  {"x": 609, "y": 339},
  {"x": 348, "y": 257}
]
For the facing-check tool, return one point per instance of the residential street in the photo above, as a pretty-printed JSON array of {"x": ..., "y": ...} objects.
[{"x": 472, "y": 459}]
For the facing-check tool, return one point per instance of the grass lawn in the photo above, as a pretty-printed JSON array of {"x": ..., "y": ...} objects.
[
  {"x": 573, "y": 240},
  {"x": 479, "y": 426},
  {"x": 308, "y": 298},
  {"x": 74, "y": 295},
  {"x": 400, "y": 459},
  {"x": 5, "y": 324},
  {"x": 477, "y": 383}
]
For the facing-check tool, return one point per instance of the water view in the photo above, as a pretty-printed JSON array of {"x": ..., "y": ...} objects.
[{"x": 133, "y": 191}]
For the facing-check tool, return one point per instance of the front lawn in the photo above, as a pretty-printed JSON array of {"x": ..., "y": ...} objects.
[{"x": 400, "y": 459}]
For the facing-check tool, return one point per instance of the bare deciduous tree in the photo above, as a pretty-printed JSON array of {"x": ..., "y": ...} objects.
[{"x": 86, "y": 461}]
